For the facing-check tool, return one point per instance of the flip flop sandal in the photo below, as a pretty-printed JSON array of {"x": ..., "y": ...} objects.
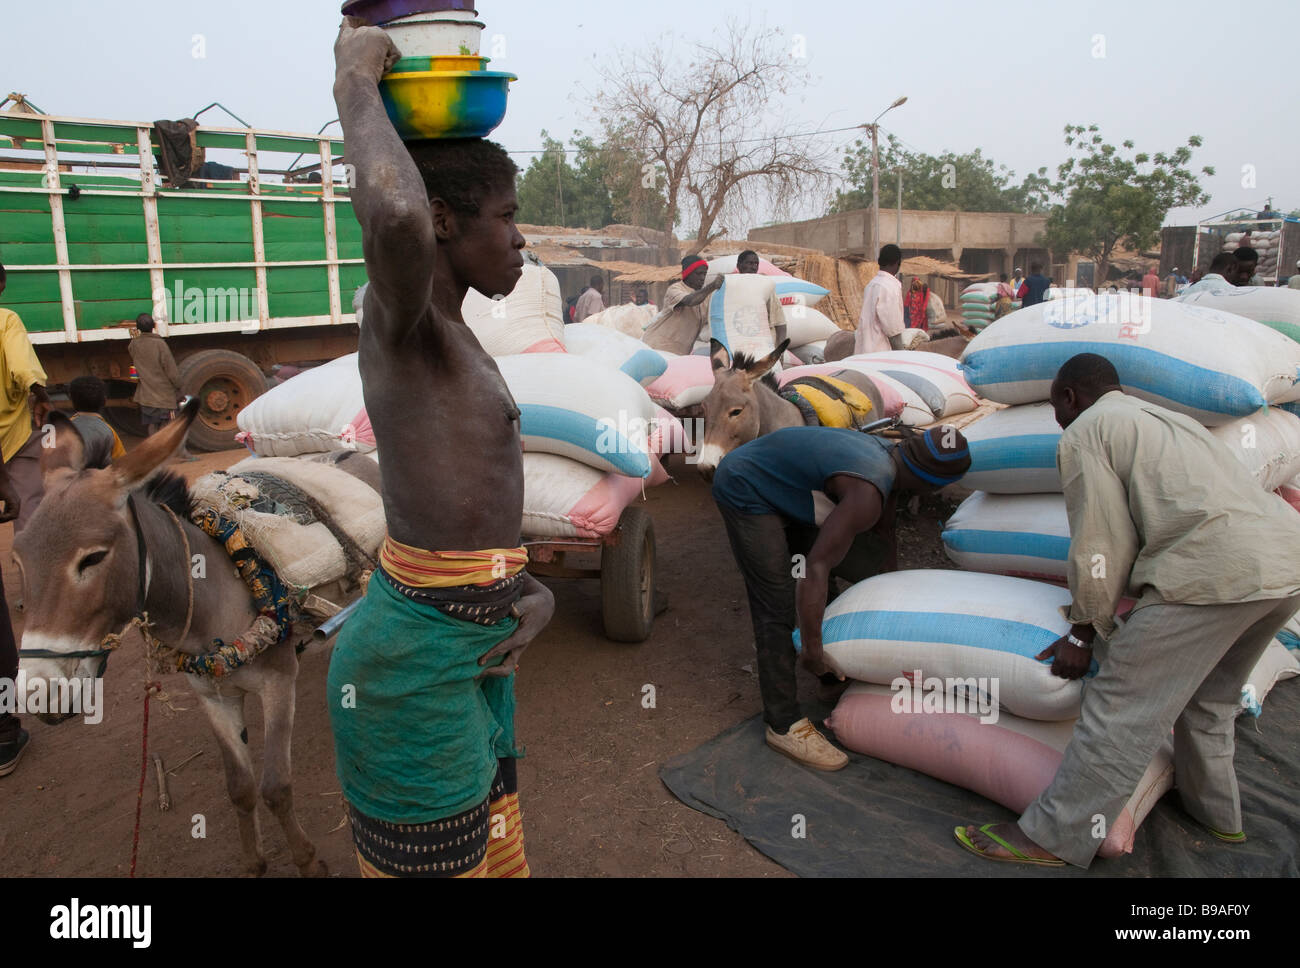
[
  {"x": 1238, "y": 838},
  {"x": 1019, "y": 858}
]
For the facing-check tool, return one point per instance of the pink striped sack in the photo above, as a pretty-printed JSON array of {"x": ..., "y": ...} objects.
[
  {"x": 566, "y": 499},
  {"x": 1010, "y": 761}
]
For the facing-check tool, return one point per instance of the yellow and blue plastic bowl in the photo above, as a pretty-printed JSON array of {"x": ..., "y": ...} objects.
[
  {"x": 440, "y": 62},
  {"x": 445, "y": 104}
]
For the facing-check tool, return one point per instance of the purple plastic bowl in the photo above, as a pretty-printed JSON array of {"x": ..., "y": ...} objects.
[{"x": 376, "y": 12}]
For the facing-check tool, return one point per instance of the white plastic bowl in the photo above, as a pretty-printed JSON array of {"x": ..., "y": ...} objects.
[
  {"x": 435, "y": 34},
  {"x": 464, "y": 16}
]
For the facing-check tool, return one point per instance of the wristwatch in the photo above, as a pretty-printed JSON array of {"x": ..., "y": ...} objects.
[{"x": 1077, "y": 642}]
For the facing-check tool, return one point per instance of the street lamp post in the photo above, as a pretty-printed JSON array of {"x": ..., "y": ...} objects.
[{"x": 875, "y": 176}]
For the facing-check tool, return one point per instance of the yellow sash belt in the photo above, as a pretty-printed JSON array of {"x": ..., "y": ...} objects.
[{"x": 417, "y": 568}]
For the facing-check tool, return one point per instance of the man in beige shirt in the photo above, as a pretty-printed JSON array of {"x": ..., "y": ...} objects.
[
  {"x": 159, "y": 391},
  {"x": 1157, "y": 504},
  {"x": 685, "y": 311}
]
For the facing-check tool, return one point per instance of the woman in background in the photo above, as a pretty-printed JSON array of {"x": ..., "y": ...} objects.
[
  {"x": 1005, "y": 298},
  {"x": 916, "y": 305}
]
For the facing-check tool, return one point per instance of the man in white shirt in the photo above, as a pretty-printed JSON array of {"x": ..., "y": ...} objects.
[
  {"x": 592, "y": 300},
  {"x": 1294, "y": 281},
  {"x": 880, "y": 326}
]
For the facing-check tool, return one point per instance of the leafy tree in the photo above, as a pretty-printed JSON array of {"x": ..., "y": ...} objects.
[
  {"x": 635, "y": 199},
  {"x": 553, "y": 192},
  {"x": 603, "y": 184},
  {"x": 1115, "y": 197},
  {"x": 944, "y": 182}
]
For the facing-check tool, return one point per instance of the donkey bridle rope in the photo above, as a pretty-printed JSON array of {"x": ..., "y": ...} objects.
[{"x": 154, "y": 646}]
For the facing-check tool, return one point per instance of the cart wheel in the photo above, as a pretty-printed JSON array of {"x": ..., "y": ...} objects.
[{"x": 627, "y": 579}]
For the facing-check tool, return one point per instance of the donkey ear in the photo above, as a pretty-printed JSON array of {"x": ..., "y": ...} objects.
[
  {"x": 759, "y": 368},
  {"x": 139, "y": 465},
  {"x": 720, "y": 355},
  {"x": 63, "y": 451}
]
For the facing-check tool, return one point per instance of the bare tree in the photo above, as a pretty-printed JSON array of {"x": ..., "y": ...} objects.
[{"x": 710, "y": 126}]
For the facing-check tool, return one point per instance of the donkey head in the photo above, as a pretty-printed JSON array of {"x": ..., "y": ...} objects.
[
  {"x": 78, "y": 556},
  {"x": 734, "y": 408}
]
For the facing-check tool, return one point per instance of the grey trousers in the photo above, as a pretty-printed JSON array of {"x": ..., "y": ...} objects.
[{"x": 1178, "y": 667}]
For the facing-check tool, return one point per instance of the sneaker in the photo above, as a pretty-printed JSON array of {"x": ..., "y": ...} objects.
[
  {"x": 11, "y": 752},
  {"x": 809, "y": 747}
]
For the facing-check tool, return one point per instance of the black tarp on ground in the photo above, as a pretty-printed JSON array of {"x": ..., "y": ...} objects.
[{"x": 874, "y": 819}]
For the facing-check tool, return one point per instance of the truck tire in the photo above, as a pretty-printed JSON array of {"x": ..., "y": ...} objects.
[
  {"x": 627, "y": 579},
  {"x": 225, "y": 382}
]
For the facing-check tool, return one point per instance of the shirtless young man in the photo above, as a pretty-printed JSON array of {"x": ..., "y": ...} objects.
[{"x": 421, "y": 680}]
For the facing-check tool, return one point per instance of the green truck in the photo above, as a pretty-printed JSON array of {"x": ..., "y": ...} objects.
[{"x": 241, "y": 272}]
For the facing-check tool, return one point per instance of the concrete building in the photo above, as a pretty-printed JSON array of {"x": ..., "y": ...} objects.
[{"x": 980, "y": 242}]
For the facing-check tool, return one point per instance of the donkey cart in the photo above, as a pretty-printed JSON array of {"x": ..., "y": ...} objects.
[{"x": 625, "y": 564}]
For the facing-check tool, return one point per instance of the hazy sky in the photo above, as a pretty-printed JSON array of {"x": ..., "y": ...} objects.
[{"x": 1003, "y": 77}]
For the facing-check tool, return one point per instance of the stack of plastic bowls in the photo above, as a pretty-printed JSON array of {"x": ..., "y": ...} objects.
[{"x": 440, "y": 87}]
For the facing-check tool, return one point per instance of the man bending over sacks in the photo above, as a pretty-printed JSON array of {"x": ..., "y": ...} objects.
[
  {"x": 829, "y": 495},
  {"x": 421, "y": 682},
  {"x": 1171, "y": 511}
]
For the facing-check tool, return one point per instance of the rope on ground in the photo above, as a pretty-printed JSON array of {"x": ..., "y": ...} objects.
[{"x": 149, "y": 689}]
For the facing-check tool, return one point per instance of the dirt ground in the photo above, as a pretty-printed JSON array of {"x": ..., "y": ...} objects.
[{"x": 589, "y": 787}]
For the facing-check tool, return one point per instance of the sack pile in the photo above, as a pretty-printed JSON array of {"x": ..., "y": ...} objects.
[
  {"x": 529, "y": 320},
  {"x": 1276, "y": 308},
  {"x": 918, "y": 387},
  {"x": 1267, "y": 244},
  {"x": 1229, "y": 366},
  {"x": 319, "y": 527},
  {"x": 979, "y": 303},
  {"x": 1211, "y": 365},
  {"x": 616, "y": 350},
  {"x": 585, "y": 408},
  {"x": 1010, "y": 761},
  {"x": 628, "y": 320},
  {"x": 948, "y": 685}
]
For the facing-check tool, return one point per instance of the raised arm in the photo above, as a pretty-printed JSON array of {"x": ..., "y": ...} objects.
[
  {"x": 388, "y": 194},
  {"x": 858, "y": 509}
]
